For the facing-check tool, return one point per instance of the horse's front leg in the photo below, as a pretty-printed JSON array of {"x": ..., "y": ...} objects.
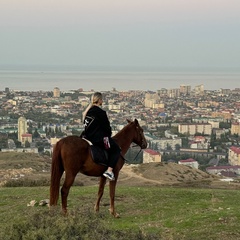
[
  {"x": 102, "y": 183},
  {"x": 112, "y": 188}
]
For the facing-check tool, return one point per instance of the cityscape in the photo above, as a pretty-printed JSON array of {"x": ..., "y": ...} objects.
[{"x": 190, "y": 126}]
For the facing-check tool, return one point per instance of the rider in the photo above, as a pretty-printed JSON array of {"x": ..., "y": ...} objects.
[{"x": 98, "y": 131}]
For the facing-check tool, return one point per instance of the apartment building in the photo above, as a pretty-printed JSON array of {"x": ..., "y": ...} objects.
[
  {"x": 199, "y": 142},
  {"x": 227, "y": 115},
  {"x": 192, "y": 129},
  {"x": 164, "y": 143},
  {"x": 173, "y": 93},
  {"x": 150, "y": 155},
  {"x": 235, "y": 128},
  {"x": 153, "y": 101},
  {"x": 234, "y": 155},
  {"x": 115, "y": 108},
  {"x": 215, "y": 124},
  {"x": 223, "y": 169}
]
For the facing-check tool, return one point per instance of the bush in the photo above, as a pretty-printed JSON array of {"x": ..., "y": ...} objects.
[
  {"x": 26, "y": 182},
  {"x": 30, "y": 182}
]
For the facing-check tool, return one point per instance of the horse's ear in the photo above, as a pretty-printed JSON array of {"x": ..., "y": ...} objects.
[
  {"x": 129, "y": 121},
  {"x": 136, "y": 121}
]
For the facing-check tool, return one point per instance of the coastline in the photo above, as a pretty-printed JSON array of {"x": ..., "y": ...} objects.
[{"x": 103, "y": 80}]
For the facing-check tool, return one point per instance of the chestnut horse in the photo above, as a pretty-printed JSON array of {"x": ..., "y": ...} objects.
[{"x": 72, "y": 155}]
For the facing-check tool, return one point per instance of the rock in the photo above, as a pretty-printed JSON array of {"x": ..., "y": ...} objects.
[
  {"x": 44, "y": 202},
  {"x": 32, "y": 203}
]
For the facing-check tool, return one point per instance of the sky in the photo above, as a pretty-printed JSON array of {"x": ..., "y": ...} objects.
[{"x": 173, "y": 34}]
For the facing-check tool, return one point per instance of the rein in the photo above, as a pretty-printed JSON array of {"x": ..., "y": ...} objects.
[
  {"x": 136, "y": 145},
  {"x": 135, "y": 156}
]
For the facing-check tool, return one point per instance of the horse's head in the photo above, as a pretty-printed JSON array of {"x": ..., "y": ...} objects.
[{"x": 138, "y": 137}]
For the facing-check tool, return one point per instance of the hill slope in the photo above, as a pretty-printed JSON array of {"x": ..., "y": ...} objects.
[{"x": 35, "y": 169}]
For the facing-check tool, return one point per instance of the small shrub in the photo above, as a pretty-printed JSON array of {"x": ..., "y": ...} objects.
[{"x": 25, "y": 182}]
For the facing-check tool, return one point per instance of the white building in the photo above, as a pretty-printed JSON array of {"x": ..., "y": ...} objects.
[
  {"x": 189, "y": 162},
  {"x": 220, "y": 169}
]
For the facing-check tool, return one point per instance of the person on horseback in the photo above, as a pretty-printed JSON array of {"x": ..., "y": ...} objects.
[{"x": 97, "y": 129}]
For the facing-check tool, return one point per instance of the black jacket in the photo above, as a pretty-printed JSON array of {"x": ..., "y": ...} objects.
[{"x": 97, "y": 125}]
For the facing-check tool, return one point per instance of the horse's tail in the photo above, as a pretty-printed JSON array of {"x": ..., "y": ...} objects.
[{"x": 56, "y": 174}]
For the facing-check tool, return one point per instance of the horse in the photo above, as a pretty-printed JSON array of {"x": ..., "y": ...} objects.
[{"x": 72, "y": 154}]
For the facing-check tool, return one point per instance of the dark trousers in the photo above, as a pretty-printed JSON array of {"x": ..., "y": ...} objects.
[{"x": 113, "y": 152}]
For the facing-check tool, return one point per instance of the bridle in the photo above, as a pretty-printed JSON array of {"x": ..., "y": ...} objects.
[
  {"x": 140, "y": 133},
  {"x": 141, "y": 145}
]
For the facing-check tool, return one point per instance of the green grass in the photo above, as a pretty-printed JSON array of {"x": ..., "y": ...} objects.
[{"x": 145, "y": 213}]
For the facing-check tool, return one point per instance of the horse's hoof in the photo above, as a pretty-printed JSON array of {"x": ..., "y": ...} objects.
[
  {"x": 64, "y": 212},
  {"x": 96, "y": 209},
  {"x": 116, "y": 215}
]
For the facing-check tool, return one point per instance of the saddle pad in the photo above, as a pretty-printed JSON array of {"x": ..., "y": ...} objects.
[{"x": 99, "y": 155}]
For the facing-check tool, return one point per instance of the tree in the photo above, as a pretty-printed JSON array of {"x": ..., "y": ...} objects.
[
  {"x": 27, "y": 144},
  {"x": 213, "y": 141},
  {"x": 169, "y": 147},
  {"x": 177, "y": 146},
  {"x": 40, "y": 148},
  {"x": 185, "y": 142},
  {"x": 18, "y": 144},
  {"x": 225, "y": 125},
  {"x": 36, "y": 134}
]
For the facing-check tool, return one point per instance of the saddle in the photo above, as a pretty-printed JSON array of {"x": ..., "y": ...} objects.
[{"x": 99, "y": 155}]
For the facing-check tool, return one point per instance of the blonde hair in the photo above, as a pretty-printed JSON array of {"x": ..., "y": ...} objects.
[{"x": 94, "y": 99}]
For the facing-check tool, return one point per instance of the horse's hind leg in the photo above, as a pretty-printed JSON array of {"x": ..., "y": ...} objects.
[
  {"x": 69, "y": 179},
  {"x": 102, "y": 183}
]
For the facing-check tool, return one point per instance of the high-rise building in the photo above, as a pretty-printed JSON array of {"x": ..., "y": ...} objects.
[
  {"x": 7, "y": 90},
  {"x": 173, "y": 93},
  {"x": 56, "y": 92},
  {"x": 153, "y": 101},
  {"x": 199, "y": 90},
  {"x": 185, "y": 89},
  {"x": 22, "y": 127}
]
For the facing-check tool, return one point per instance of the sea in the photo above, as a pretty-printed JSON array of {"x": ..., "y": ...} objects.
[{"x": 68, "y": 79}]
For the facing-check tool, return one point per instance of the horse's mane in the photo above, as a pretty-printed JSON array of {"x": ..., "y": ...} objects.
[{"x": 121, "y": 131}]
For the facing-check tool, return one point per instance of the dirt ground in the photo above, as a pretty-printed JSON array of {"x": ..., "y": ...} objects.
[{"x": 164, "y": 174}]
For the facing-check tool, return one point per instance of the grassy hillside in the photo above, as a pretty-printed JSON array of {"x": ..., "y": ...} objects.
[
  {"x": 24, "y": 169},
  {"x": 146, "y": 213},
  {"x": 16, "y": 160}
]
